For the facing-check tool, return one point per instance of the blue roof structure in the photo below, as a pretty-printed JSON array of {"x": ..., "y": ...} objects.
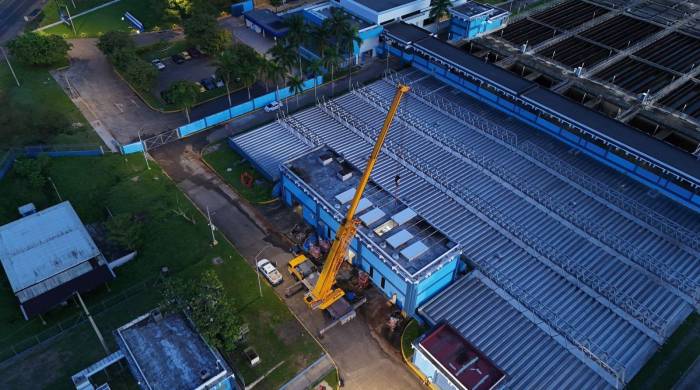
[{"x": 268, "y": 21}]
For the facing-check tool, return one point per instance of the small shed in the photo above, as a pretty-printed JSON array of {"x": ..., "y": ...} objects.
[{"x": 48, "y": 256}]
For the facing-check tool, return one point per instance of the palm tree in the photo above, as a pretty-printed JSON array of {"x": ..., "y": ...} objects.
[
  {"x": 296, "y": 87},
  {"x": 227, "y": 69},
  {"x": 315, "y": 67},
  {"x": 440, "y": 9},
  {"x": 184, "y": 95},
  {"x": 331, "y": 59},
  {"x": 248, "y": 75},
  {"x": 297, "y": 35},
  {"x": 320, "y": 35},
  {"x": 276, "y": 73},
  {"x": 348, "y": 40},
  {"x": 282, "y": 55}
]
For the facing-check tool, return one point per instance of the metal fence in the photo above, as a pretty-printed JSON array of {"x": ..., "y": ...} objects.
[
  {"x": 8, "y": 158},
  {"x": 19, "y": 347}
]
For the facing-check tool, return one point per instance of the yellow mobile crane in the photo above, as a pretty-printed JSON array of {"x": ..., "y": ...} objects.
[{"x": 323, "y": 295}]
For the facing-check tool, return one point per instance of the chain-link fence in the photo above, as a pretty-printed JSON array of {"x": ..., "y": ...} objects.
[{"x": 19, "y": 347}]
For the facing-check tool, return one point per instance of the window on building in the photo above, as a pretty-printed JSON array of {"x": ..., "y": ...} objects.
[
  {"x": 371, "y": 271},
  {"x": 383, "y": 282}
]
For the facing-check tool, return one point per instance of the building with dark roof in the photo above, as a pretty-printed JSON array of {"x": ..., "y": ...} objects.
[
  {"x": 451, "y": 362},
  {"x": 164, "y": 352},
  {"x": 48, "y": 256}
]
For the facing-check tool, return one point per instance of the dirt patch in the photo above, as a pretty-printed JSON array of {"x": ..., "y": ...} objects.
[{"x": 289, "y": 332}]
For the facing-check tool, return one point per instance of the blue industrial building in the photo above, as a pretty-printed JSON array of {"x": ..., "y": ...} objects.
[
  {"x": 650, "y": 161},
  {"x": 406, "y": 258},
  {"x": 471, "y": 20},
  {"x": 575, "y": 265}
]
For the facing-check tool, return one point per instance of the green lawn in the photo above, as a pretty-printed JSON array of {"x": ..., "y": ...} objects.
[
  {"x": 230, "y": 165},
  {"x": 412, "y": 331},
  {"x": 50, "y": 10},
  {"x": 119, "y": 184},
  {"x": 38, "y": 111},
  {"x": 664, "y": 369},
  {"x": 110, "y": 19}
]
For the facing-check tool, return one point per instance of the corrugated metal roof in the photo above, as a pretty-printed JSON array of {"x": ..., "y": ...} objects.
[{"x": 44, "y": 244}]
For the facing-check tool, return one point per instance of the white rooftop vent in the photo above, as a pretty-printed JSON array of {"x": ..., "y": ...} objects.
[
  {"x": 414, "y": 250},
  {"x": 372, "y": 216},
  {"x": 398, "y": 239},
  {"x": 345, "y": 173},
  {"x": 326, "y": 159},
  {"x": 345, "y": 196},
  {"x": 403, "y": 216}
]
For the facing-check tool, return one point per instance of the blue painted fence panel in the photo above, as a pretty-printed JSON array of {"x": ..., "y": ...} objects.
[
  {"x": 136, "y": 147},
  {"x": 217, "y": 118},
  {"x": 192, "y": 128}
]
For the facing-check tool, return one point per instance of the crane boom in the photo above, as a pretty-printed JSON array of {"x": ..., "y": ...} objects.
[{"x": 323, "y": 294}]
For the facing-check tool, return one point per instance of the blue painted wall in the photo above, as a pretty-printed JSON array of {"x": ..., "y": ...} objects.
[
  {"x": 469, "y": 29},
  {"x": 408, "y": 295}
]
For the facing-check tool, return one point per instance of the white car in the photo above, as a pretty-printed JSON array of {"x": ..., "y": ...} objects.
[
  {"x": 158, "y": 64},
  {"x": 273, "y": 106},
  {"x": 270, "y": 272}
]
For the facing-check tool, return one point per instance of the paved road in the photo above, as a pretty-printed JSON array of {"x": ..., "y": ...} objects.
[
  {"x": 107, "y": 102},
  {"x": 12, "y": 14},
  {"x": 363, "y": 360}
]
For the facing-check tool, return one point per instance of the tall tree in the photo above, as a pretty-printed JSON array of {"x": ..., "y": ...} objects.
[
  {"x": 227, "y": 69},
  {"x": 332, "y": 59},
  {"x": 277, "y": 73},
  {"x": 202, "y": 30},
  {"x": 314, "y": 68},
  {"x": 296, "y": 87},
  {"x": 184, "y": 95},
  {"x": 297, "y": 35},
  {"x": 39, "y": 49},
  {"x": 348, "y": 40},
  {"x": 439, "y": 10}
]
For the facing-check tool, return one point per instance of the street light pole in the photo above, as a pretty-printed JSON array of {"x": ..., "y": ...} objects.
[
  {"x": 10, "y": 65},
  {"x": 212, "y": 228},
  {"x": 143, "y": 147},
  {"x": 257, "y": 270}
]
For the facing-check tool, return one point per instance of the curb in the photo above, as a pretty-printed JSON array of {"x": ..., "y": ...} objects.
[
  {"x": 424, "y": 379},
  {"x": 273, "y": 290}
]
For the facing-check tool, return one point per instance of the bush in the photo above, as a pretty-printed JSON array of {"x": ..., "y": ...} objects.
[
  {"x": 124, "y": 230},
  {"x": 33, "y": 170},
  {"x": 115, "y": 41},
  {"x": 39, "y": 49}
]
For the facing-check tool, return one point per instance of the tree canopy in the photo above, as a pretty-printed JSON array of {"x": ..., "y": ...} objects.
[
  {"x": 183, "y": 94},
  {"x": 39, "y": 49},
  {"x": 206, "y": 303}
]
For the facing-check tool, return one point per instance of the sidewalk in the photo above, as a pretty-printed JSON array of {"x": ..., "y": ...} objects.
[{"x": 310, "y": 375}]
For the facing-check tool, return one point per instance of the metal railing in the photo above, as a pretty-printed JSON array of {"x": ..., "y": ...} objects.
[
  {"x": 458, "y": 192},
  {"x": 598, "y": 283},
  {"x": 551, "y": 163}
]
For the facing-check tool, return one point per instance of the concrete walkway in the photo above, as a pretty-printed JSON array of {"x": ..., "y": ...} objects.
[{"x": 311, "y": 375}]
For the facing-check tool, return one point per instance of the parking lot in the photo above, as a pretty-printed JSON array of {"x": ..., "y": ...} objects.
[{"x": 194, "y": 69}]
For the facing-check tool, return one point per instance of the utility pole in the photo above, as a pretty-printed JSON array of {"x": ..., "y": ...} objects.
[
  {"x": 143, "y": 148},
  {"x": 9, "y": 64},
  {"x": 55, "y": 189},
  {"x": 212, "y": 228},
  {"x": 92, "y": 322},
  {"x": 257, "y": 270},
  {"x": 70, "y": 19}
]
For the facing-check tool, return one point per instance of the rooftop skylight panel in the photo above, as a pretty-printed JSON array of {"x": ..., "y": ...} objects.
[
  {"x": 414, "y": 250},
  {"x": 363, "y": 205},
  {"x": 345, "y": 196},
  {"x": 372, "y": 216},
  {"x": 398, "y": 239},
  {"x": 403, "y": 216}
]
